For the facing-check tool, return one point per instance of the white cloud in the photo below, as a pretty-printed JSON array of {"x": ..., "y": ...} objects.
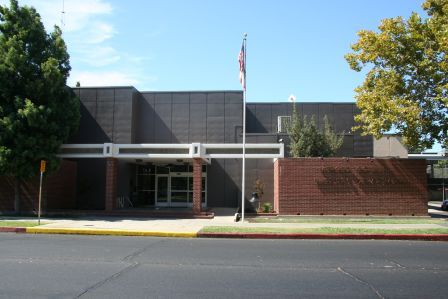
[
  {"x": 128, "y": 77},
  {"x": 89, "y": 33},
  {"x": 98, "y": 56},
  {"x": 77, "y": 13},
  {"x": 99, "y": 32},
  {"x": 106, "y": 78}
]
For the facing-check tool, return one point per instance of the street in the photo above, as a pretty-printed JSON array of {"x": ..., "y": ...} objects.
[{"x": 64, "y": 266}]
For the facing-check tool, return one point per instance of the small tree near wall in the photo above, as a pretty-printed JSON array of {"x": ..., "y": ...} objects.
[{"x": 307, "y": 140}]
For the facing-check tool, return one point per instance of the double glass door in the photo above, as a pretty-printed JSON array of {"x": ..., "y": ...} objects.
[{"x": 176, "y": 190}]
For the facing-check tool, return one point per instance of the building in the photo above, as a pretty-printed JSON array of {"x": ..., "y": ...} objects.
[{"x": 143, "y": 147}]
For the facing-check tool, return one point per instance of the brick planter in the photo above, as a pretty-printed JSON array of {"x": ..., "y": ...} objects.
[{"x": 340, "y": 186}]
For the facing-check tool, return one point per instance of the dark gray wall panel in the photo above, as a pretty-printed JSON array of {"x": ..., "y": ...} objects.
[
  {"x": 363, "y": 145},
  {"x": 146, "y": 119},
  {"x": 199, "y": 98},
  {"x": 215, "y": 183},
  {"x": 346, "y": 149},
  {"x": 233, "y": 122},
  {"x": 267, "y": 139},
  {"x": 310, "y": 109},
  {"x": 343, "y": 117},
  {"x": 251, "y": 118},
  {"x": 180, "y": 122},
  {"x": 232, "y": 182},
  {"x": 325, "y": 109},
  {"x": 198, "y": 123},
  {"x": 215, "y": 98},
  {"x": 234, "y": 98},
  {"x": 181, "y": 98},
  {"x": 105, "y": 94},
  {"x": 124, "y": 179},
  {"x": 124, "y": 93},
  {"x": 102, "y": 120},
  {"x": 162, "y": 98},
  {"x": 122, "y": 121},
  {"x": 88, "y": 94},
  {"x": 91, "y": 183},
  {"x": 105, "y": 116},
  {"x": 162, "y": 127},
  {"x": 215, "y": 129},
  {"x": 215, "y": 109},
  {"x": 215, "y": 118},
  {"x": 264, "y": 117}
]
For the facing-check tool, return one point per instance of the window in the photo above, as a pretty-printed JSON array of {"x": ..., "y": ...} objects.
[{"x": 283, "y": 123}]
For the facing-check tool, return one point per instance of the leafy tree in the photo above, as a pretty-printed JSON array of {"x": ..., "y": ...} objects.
[
  {"x": 38, "y": 112},
  {"x": 306, "y": 140},
  {"x": 406, "y": 87},
  {"x": 416, "y": 149}
]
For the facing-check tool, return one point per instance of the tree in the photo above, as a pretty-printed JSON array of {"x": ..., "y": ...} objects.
[
  {"x": 406, "y": 86},
  {"x": 38, "y": 112},
  {"x": 306, "y": 140}
]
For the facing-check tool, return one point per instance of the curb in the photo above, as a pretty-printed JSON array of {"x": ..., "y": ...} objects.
[
  {"x": 110, "y": 232},
  {"x": 113, "y": 232},
  {"x": 416, "y": 237},
  {"x": 7, "y": 229}
]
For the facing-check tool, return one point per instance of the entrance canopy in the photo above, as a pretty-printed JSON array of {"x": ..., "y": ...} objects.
[{"x": 206, "y": 151}]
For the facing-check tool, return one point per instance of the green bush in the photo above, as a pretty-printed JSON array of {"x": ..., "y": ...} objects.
[{"x": 267, "y": 207}]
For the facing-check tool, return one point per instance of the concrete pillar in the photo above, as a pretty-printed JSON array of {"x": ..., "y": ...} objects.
[
  {"x": 197, "y": 185},
  {"x": 111, "y": 184}
]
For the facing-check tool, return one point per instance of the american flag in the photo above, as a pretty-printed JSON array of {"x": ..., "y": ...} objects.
[{"x": 241, "y": 60}]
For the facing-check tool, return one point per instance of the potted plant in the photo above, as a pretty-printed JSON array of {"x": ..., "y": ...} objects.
[{"x": 259, "y": 189}]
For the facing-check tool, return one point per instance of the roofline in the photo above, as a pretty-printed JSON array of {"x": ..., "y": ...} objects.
[
  {"x": 206, "y": 91},
  {"x": 300, "y": 103},
  {"x": 191, "y": 91},
  {"x": 103, "y": 87}
]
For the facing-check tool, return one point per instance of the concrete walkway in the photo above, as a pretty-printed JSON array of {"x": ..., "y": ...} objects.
[
  {"x": 195, "y": 225},
  {"x": 190, "y": 227}
]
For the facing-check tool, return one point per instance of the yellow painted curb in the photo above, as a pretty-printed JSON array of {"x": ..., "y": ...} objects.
[{"x": 111, "y": 232}]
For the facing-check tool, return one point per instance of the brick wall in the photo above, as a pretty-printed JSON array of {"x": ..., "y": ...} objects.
[
  {"x": 276, "y": 186},
  {"x": 197, "y": 185},
  {"x": 111, "y": 184},
  {"x": 58, "y": 191},
  {"x": 340, "y": 186}
]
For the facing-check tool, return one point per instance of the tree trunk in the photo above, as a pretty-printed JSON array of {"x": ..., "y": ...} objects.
[{"x": 17, "y": 185}]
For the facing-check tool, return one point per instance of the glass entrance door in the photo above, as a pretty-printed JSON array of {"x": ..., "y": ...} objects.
[
  {"x": 162, "y": 187},
  {"x": 179, "y": 191},
  {"x": 176, "y": 190}
]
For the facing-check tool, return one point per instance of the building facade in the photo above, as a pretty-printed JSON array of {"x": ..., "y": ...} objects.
[{"x": 151, "y": 137}]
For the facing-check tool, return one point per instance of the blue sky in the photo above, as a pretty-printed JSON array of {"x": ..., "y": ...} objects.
[{"x": 294, "y": 47}]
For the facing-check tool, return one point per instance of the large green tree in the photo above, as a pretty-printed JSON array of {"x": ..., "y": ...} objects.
[
  {"x": 38, "y": 112},
  {"x": 307, "y": 140},
  {"x": 406, "y": 86}
]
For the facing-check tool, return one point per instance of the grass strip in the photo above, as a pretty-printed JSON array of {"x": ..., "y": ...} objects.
[
  {"x": 19, "y": 223},
  {"x": 321, "y": 230},
  {"x": 328, "y": 220}
]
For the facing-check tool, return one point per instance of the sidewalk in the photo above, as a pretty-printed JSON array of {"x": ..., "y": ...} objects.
[{"x": 192, "y": 227}]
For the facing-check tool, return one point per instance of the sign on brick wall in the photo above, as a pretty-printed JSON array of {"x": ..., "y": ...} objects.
[{"x": 340, "y": 186}]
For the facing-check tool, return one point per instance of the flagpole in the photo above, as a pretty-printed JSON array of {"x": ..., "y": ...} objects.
[{"x": 243, "y": 175}]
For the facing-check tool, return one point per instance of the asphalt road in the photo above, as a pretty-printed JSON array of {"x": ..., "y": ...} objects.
[{"x": 59, "y": 266}]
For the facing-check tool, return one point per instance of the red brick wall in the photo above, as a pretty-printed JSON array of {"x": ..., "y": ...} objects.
[
  {"x": 339, "y": 186},
  {"x": 111, "y": 183},
  {"x": 276, "y": 186},
  {"x": 197, "y": 185},
  {"x": 58, "y": 192}
]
